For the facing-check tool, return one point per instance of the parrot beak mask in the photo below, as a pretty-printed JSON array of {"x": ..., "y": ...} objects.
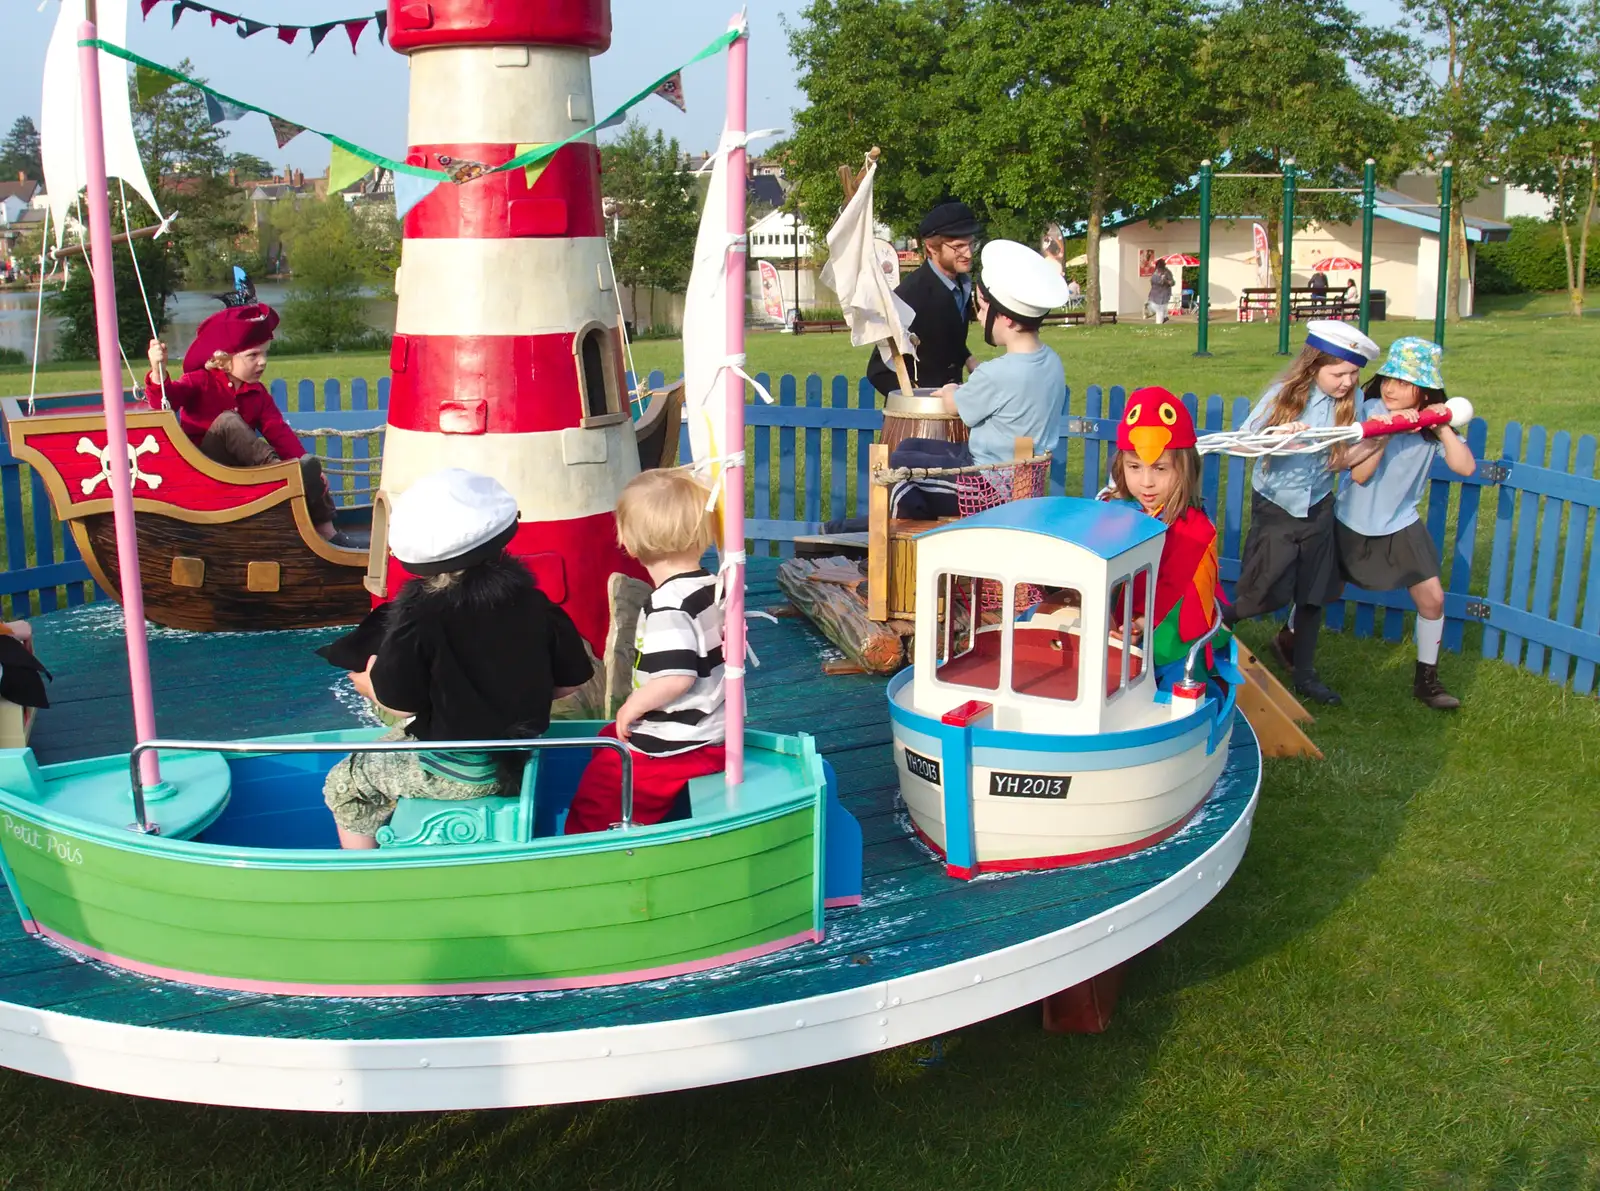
[{"x": 1149, "y": 442}]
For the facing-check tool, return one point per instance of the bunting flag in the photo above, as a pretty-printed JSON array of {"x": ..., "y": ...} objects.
[
  {"x": 344, "y": 167},
  {"x": 148, "y": 83},
  {"x": 283, "y": 130},
  {"x": 248, "y": 27},
  {"x": 671, "y": 90},
  {"x": 410, "y": 190},
  {"x": 351, "y": 161},
  {"x": 221, "y": 111}
]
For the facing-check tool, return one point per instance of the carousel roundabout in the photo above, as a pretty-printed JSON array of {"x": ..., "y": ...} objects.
[{"x": 921, "y": 954}]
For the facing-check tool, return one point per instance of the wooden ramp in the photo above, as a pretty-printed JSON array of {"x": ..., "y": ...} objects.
[{"x": 1273, "y": 711}]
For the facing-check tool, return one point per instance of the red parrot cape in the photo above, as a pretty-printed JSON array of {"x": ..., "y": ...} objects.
[{"x": 1187, "y": 587}]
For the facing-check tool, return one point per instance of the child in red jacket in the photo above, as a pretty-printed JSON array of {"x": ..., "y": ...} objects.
[{"x": 223, "y": 406}]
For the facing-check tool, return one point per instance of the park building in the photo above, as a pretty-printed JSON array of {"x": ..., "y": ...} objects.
[{"x": 1405, "y": 254}]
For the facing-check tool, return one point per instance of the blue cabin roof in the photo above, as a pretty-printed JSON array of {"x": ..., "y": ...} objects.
[{"x": 1104, "y": 529}]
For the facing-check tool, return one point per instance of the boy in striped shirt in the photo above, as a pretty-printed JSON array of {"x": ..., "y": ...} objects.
[{"x": 673, "y": 720}]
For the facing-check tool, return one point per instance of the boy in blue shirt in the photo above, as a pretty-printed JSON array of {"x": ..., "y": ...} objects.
[{"x": 1018, "y": 395}]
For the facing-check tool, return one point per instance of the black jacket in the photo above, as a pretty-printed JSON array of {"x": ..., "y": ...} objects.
[
  {"x": 941, "y": 336},
  {"x": 477, "y": 660}
]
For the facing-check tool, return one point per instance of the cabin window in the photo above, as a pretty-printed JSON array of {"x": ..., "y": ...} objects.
[
  {"x": 595, "y": 354},
  {"x": 967, "y": 649},
  {"x": 1128, "y": 631},
  {"x": 1045, "y": 643}
]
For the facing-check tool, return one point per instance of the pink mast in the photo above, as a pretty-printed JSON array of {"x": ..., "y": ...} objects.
[
  {"x": 105, "y": 318},
  {"x": 733, "y": 648}
]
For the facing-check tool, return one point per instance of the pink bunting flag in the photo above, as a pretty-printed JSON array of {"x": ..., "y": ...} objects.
[
  {"x": 224, "y": 17},
  {"x": 353, "y": 30},
  {"x": 146, "y": 5},
  {"x": 287, "y": 33},
  {"x": 672, "y": 91}
]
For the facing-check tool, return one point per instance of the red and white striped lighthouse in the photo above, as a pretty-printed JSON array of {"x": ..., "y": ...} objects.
[{"x": 507, "y": 356}]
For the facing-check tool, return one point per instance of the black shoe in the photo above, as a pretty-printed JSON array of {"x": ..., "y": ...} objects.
[
  {"x": 1316, "y": 690},
  {"x": 351, "y": 540},
  {"x": 1283, "y": 647},
  {"x": 1430, "y": 690}
]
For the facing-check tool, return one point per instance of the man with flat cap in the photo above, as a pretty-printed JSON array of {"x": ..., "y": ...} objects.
[{"x": 941, "y": 294}]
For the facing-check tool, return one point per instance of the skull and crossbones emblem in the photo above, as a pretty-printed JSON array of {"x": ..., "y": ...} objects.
[{"x": 149, "y": 446}]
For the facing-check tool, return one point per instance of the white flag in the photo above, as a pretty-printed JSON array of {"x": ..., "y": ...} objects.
[
  {"x": 874, "y": 313},
  {"x": 61, "y": 121}
]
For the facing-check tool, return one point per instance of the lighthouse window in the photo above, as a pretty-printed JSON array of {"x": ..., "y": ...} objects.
[
  {"x": 967, "y": 650},
  {"x": 595, "y": 357}
]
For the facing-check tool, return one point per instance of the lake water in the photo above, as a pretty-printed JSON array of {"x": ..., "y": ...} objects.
[{"x": 187, "y": 310}]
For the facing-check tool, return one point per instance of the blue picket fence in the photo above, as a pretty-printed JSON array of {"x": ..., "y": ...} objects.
[{"x": 1524, "y": 577}]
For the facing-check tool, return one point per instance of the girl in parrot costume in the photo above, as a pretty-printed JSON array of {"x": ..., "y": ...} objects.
[{"x": 1157, "y": 467}]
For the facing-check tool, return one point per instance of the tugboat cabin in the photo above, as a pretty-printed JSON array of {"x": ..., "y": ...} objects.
[{"x": 1027, "y": 603}]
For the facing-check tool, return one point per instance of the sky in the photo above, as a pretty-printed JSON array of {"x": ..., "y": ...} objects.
[{"x": 362, "y": 97}]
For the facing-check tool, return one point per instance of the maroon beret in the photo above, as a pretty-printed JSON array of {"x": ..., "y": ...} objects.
[{"x": 236, "y": 329}]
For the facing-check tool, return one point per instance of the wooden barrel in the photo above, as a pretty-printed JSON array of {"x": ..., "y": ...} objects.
[{"x": 921, "y": 415}]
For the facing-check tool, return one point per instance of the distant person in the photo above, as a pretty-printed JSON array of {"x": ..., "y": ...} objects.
[
  {"x": 1319, "y": 288},
  {"x": 1074, "y": 293},
  {"x": 940, "y": 294},
  {"x": 1160, "y": 296}
]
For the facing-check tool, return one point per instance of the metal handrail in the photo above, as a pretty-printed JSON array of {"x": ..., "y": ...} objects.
[
  {"x": 1199, "y": 644},
  {"x": 143, "y": 825}
]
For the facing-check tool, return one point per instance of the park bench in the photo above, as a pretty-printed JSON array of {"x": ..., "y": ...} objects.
[
  {"x": 802, "y": 325},
  {"x": 1074, "y": 318}
]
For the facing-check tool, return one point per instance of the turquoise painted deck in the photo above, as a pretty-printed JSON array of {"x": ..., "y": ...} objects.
[{"x": 912, "y": 916}]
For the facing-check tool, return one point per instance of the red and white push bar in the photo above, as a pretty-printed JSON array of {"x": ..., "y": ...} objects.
[{"x": 1275, "y": 440}]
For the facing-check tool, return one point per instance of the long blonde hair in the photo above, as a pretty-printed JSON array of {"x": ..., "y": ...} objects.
[
  {"x": 1294, "y": 394},
  {"x": 1185, "y": 495}
]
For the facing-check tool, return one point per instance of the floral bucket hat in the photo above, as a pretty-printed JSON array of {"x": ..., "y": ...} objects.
[{"x": 1416, "y": 360}]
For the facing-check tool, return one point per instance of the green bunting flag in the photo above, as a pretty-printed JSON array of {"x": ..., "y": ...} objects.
[
  {"x": 149, "y": 83},
  {"x": 344, "y": 167}
]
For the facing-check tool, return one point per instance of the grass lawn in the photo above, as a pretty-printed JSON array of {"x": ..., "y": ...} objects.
[{"x": 1397, "y": 990}]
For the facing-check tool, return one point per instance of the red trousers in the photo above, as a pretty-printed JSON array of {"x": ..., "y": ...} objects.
[{"x": 656, "y": 782}]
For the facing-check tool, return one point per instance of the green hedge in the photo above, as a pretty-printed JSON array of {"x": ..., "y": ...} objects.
[{"x": 1531, "y": 260}]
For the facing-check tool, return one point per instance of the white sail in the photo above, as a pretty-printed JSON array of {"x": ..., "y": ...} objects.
[
  {"x": 705, "y": 326},
  {"x": 61, "y": 116}
]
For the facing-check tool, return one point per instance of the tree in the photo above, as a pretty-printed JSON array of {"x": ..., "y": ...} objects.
[
  {"x": 1074, "y": 108},
  {"x": 19, "y": 152},
  {"x": 187, "y": 164},
  {"x": 331, "y": 259},
  {"x": 1556, "y": 154},
  {"x": 1487, "y": 64},
  {"x": 248, "y": 166},
  {"x": 653, "y": 207},
  {"x": 78, "y": 338},
  {"x": 1281, "y": 86},
  {"x": 873, "y": 74}
]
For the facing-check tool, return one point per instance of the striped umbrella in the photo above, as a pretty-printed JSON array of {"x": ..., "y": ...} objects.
[{"x": 1336, "y": 264}]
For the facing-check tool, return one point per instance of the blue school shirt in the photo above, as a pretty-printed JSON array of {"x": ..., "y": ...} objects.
[
  {"x": 1387, "y": 503},
  {"x": 1017, "y": 395},
  {"x": 1294, "y": 482}
]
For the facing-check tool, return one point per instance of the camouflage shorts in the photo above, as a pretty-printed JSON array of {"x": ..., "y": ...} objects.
[{"x": 363, "y": 789}]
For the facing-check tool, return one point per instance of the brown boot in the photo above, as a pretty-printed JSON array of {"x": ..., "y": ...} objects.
[
  {"x": 232, "y": 443},
  {"x": 1430, "y": 690}
]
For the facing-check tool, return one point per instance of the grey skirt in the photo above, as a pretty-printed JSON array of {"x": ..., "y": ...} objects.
[
  {"x": 1401, "y": 559},
  {"x": 1287, "y": 559}
]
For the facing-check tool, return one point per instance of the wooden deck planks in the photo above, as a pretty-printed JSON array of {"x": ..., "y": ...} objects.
[{"x": 912, "y": 918}]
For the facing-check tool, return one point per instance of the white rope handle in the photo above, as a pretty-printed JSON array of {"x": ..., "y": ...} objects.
[
  {"x": 144, "y": 296},
  {"x": 38, "y": 314}
]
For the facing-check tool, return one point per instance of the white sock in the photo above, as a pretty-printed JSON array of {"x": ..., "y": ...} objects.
[{"x": 1429, "y": 634}]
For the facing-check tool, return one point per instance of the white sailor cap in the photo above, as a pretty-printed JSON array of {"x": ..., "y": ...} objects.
[
  {"x": 1019, "y": 280},
  {"x": 450, "y": 520},
  {"x": 1342, "y": 341}
]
